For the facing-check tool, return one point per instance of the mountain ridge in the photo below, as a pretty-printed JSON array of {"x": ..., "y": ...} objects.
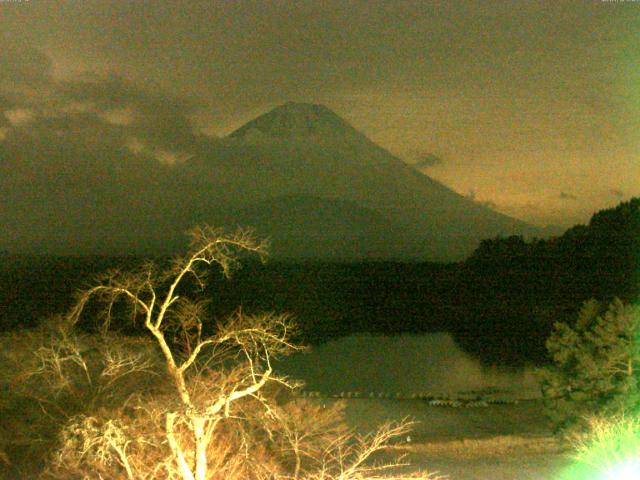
[{"x": 308, "y": 150}]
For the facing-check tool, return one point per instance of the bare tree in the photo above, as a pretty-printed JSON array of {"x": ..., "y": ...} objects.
[
  {"x": 256, "y": 339},
  {"x": 216, "y": 380}
]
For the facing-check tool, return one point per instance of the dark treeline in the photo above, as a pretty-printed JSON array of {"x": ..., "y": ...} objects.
[
  {"x": 34, "y": 287},
  {"x": 515, "y": 290},
  {"x": 500, "y": 304}
]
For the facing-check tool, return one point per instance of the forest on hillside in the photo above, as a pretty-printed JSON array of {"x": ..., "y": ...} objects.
[{"x": 500, "y": 304}]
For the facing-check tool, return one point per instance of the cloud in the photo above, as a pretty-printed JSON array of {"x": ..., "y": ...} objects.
[
  {"x": 171, "y": 158},
  {"x": 618, "y": 193},
  {"x": 165, "y": 157},
  {"x": 98, "y": 144},
  {"x": 94, "y": 109},
  {"x": 121, "y": 116},
  {"x": 567, "y": 196},
  {"x": 489, "y": 204},
  {"x": 77, "y": 107},
  {"x": 428, "y": 160},
  {"x": 19, "y": 116},
  {"x": 473, "y": 196},
  {"x": 136, "y": 146},
  {"x": 158, "y": 119},
  {"x": 23, "y": 64}
]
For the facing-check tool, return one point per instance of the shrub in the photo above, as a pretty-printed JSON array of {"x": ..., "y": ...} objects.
[
  {"x": 595, "y": 369},
  {"x": 49, "y": 375}
]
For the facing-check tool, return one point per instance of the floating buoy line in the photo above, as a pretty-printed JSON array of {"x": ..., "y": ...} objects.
[{"x": 436, "y": 400}]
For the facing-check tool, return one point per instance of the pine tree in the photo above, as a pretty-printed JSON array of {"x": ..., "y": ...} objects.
[{"x": 596, "y": 365}]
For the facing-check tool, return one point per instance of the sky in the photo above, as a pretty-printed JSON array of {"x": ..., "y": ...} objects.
[{"x": 532, "y": 107}]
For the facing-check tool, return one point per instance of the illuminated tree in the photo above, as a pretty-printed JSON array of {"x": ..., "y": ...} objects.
[
  {"x": 595, "y": 370},
  {"x": 215, "y": 409}
]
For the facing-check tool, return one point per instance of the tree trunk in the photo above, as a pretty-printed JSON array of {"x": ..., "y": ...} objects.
[
  {"x": 183, "y": 466},
  {"x": 201, "y": 447}
]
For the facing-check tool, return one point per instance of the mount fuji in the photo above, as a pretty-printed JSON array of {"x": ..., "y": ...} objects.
[{"x": 319, "y": 188}]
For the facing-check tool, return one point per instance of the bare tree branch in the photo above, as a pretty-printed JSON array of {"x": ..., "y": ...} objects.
[{"x": 216, "y": 380}]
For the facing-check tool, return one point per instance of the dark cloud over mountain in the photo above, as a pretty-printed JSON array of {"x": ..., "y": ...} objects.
[
  {"x": 489, "y": 204},
  {"x": 159, "y": 118},
  {"x": 618, "y": 193},
  {"x": 428, "y": 160},
  {"x": 106, "y": 110},
  {"x": 23, "y": 64},
  {"x": 86, "y": 165}
]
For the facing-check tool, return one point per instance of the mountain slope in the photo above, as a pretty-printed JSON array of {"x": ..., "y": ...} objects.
[
  {"x": 307, "y": 150},
  {"x": 300, "y": 227}
]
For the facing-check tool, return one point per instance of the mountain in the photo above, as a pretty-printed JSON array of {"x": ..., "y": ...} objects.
[
  {"x": 307, "y": 227},
  {"x": 299, "y": 120},
  {"x": 309, "y": 153},
  {"x": 299, "y": 174}
]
